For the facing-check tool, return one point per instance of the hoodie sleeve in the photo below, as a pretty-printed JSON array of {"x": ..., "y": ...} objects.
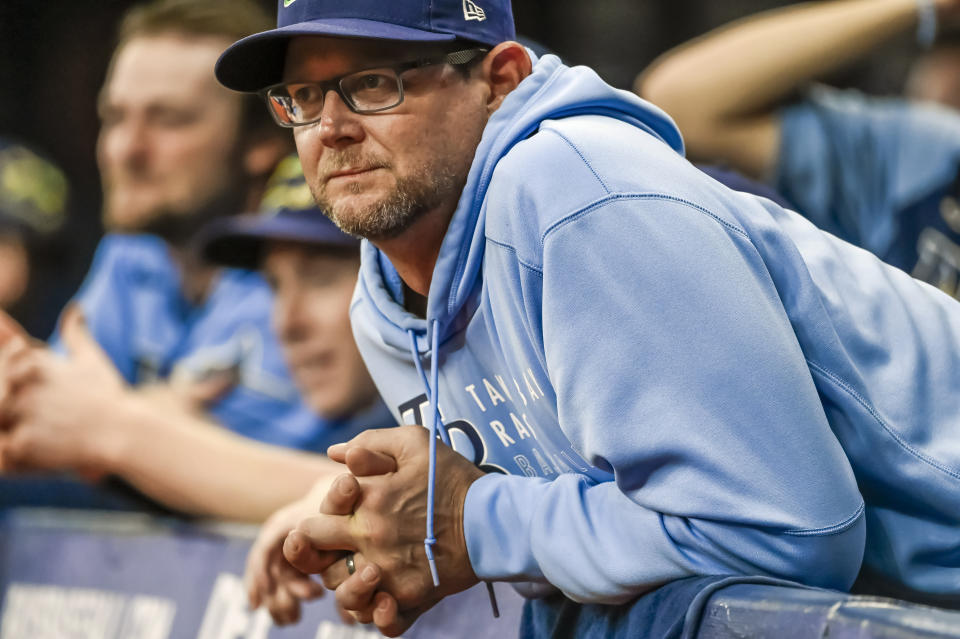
[{"x": 676, "y": 368}]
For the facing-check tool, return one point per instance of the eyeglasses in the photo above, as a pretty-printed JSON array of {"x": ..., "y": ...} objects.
[{"x": 367, "y": 91}]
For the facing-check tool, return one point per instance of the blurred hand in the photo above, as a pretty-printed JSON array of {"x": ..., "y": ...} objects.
[
  {"x": 54, "y": 406},
  {"x": 194, "y": 396},
  {"x": 269, "y": 579},
  {"x": 387, "y": 529}
]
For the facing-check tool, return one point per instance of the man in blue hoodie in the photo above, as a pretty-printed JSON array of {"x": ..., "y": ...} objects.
[{"x": 647, "y": 376}]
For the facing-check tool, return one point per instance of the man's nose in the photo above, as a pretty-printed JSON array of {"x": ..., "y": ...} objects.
[
  {"x": 127, "y": 143},
  {"x": 339, "y": 125},
  {"x": 288, "y": 318}
]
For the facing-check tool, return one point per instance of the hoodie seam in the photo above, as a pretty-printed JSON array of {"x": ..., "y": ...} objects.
[
  {"x": 579, "y": 154},
  {"x": 590, "y": 208},
  {"x": 531, "y": 267},
  {"x": 835, "y": 529},
  {"x": 867, "y": 406}
]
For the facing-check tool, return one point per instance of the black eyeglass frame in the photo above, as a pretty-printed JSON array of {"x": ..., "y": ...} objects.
[{"x": 455, "y": 58}]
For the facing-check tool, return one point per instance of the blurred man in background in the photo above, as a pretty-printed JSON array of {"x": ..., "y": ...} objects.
[
  {"x": 881, "y": 173},
  {"x": 176, "y": 150},
  {"x": 77, "y": 413}
]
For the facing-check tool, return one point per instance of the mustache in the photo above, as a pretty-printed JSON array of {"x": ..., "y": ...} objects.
[{"x": 334, "y": 161}]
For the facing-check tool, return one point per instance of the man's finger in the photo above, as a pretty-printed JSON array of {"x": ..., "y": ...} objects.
[
  {"x": 76, "y": 337},
  {"x": 257, "y": 577},
  {"x": 386, "y": 615},
  {"x": 328, "y": 532},
  {"x": 298, "y": 549},
  {"x": 21, "y": 366},
  {"x": 357, "y": 590},
  {"x": 337, "y": 572},
  {"x": 364, "y": 462},
  {"x": 284, "y": 608},
  {"x": 388, "y": 441},
  {"x": 342, "y": 496},
  {"x": 297, "y": 583}
]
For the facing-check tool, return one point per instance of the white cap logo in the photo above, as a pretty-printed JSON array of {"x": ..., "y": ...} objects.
[{"x": 471, "y": 11}]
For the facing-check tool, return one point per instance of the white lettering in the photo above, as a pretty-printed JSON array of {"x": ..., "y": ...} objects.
[
  {"x": 522, "y": 431},
  {"x": 529, "y": 426},
  {"x": 532, "y": 392},
  {"x": 544, "y": 466},
  {"x": 501, "y": 432},
  {"x": 520, "y": 392},
  {"x": 56, "y": 611},
  {"x": 330, "y": 630},
  {"x": 472, "y": 389},
  {"x": 495, "y": 397},
  {"x": 504, "y": 388},
  {"x": 227, "y": 617},
  {"x": 535, "y": 382}
]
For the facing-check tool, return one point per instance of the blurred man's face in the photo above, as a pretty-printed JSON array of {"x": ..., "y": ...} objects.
[
  {"x": 312, "y": 288},
  {"x": 168, "y": 137},
  {"x": 376, "y": 174}
]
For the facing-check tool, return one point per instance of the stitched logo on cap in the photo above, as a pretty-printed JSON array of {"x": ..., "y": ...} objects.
[
  {"x": 471, "y": 11},
  {"x": 287, "y": 3}
]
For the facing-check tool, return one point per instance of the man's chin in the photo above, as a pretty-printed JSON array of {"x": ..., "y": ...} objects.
[{"x": 128, "y": 219}]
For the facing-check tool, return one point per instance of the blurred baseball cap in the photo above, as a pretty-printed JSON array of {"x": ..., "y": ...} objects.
[
  {"x": 288, "y": 214},
  {"x": 33, "y": 191},
  {"x": 256, "y": 61}
]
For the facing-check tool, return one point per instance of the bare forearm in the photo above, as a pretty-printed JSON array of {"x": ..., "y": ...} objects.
[
  {"x": 723, "y": 89},
  {"x": 750, "y": 65},
  {"x": 198, "y": 467}
]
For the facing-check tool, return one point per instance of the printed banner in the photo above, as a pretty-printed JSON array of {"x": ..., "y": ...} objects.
[{"x": 104, "y": 575}]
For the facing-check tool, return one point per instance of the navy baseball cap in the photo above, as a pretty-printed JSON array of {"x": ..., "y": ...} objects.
[
  {"x": 256, "y": 61},
  {"x": 288, "y": 214}
]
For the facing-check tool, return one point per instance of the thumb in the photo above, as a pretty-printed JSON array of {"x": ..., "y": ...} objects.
[{"x": 76, "y": 336}]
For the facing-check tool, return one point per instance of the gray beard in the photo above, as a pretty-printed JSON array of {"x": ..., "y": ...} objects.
[{"x": 389, "y": 217}]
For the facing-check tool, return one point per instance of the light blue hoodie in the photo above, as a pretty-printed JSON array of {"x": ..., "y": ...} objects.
[{"x": 675, "y": 377}]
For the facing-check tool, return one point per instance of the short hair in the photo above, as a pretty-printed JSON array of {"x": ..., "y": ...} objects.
[{"x": 229, "y": 19}]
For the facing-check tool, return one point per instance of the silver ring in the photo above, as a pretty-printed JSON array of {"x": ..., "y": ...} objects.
[{"x": 351, "y": 567}]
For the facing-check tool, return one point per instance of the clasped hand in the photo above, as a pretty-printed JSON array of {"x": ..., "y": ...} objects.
[{"x": 378, "y": 512}]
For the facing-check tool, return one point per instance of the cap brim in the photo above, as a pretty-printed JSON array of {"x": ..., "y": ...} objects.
[
  {"x": 256, "y": 62},
  {"x": 239, "y": 242}
]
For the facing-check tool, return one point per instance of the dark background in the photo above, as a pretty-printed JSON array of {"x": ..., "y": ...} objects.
[{"x": 54, "y": 53}]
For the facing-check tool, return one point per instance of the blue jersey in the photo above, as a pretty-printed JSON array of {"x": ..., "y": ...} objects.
[
  {"x": 135, "y": 309},
  {"x": 880, "y": 173}
]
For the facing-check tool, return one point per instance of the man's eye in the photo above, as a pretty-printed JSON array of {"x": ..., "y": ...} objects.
[
  {"x": 174, "y": 118},
  {"x": 370, "y": 82},
  {"x": 371, "y": 85},
  {"x": 305, "y": 94}
]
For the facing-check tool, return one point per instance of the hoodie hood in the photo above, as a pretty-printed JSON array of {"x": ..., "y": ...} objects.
[{"x": 552, "y": 91}]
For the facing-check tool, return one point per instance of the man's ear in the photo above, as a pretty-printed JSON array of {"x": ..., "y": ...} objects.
[{"x": 505, "y": 67}]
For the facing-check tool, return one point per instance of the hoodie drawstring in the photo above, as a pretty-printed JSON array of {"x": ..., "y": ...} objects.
[{"x": 436, "y": 426}]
